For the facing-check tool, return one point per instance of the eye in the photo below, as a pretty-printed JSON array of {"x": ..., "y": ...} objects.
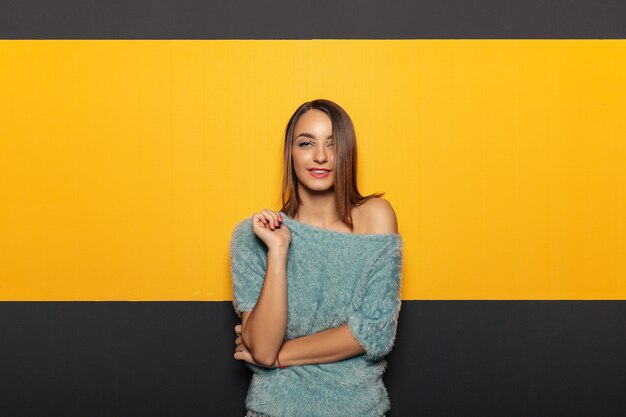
[{"x": 303, "y": 143}]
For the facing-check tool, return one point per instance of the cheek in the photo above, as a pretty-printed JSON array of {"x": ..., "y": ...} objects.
[{"x": 299, "y": 161}]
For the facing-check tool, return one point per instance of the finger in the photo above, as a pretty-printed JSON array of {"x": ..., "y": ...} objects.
[
  {"x": 270, "y": 218},
  {"x": 263, "y": 220},
  {"x": 238, "y": 328},
  {"x": 238, "y": 340},
  {"x": 273, "y": 218},
  {"x": 279, "y": 218},
  {"x": 259, "y": 218}
]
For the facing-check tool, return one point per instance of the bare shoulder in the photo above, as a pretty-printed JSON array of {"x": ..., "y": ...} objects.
[{"x": 379, "y": 216}]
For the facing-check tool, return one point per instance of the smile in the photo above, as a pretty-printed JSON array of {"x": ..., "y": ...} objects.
[{"x": 319, "y": 173}]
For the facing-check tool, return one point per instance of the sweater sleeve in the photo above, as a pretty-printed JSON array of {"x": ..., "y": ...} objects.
[
  {"x": 247, "y": 266},
  {"x": 373, "y": 323}
]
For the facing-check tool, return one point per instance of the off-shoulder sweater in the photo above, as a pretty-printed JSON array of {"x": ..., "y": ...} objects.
[{"x": 332, "y": 278}]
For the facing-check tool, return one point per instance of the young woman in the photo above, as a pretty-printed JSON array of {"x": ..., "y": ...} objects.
[{"x": 317, "y": 284}]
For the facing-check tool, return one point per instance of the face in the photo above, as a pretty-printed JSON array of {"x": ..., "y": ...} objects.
[{"x": 314, "y": 148}]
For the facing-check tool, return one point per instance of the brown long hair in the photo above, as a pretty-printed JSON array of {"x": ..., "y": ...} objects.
[{"x": 347, "y": 195}]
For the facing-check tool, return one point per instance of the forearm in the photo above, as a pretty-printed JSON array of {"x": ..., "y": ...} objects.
[
  {"x": 264, "y": 331},
  {"x": 330, "y": 345}
]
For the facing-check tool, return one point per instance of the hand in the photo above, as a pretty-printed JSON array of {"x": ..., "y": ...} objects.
[
  {"x": 264, "y": 226},
  {"x": 242, "y": 353}
]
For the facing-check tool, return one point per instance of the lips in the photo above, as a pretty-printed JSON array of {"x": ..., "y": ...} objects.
[{"x": 321, "y": 173}]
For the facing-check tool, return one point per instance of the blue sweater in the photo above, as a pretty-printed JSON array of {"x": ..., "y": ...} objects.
[{"x": 332, "y": 278}]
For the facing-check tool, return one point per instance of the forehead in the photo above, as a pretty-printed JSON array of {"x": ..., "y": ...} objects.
[{"x": 315, "y": 122}]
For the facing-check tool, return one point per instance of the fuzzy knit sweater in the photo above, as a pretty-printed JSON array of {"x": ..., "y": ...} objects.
[{"x": 332, "y": 278}]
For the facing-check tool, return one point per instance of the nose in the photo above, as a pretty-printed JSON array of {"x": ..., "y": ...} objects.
[{"x": 320, "y": 154}]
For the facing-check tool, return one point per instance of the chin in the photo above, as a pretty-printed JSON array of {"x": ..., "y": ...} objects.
[{"x": 318, "y": 186}]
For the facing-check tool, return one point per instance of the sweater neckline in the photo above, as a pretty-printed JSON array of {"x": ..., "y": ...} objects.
[{"x": 293, "y": 223}]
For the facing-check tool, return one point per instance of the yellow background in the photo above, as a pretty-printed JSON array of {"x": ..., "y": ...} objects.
[{"x": 124, "y": 165}]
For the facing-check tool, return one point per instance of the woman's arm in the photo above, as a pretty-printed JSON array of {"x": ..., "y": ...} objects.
[
  {"x": 263, "y": 328},
  {"x": 340, "y": 343},
  {"x": 330, "y": 345}
]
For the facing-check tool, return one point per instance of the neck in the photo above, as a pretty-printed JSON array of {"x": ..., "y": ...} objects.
[{"x": 317, "y": 209}]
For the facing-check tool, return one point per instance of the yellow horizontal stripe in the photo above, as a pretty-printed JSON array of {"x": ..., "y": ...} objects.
[{"x": 125, "y": 164}]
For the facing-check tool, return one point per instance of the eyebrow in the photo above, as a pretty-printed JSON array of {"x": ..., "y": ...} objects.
[{"x": 308, "y": 135}]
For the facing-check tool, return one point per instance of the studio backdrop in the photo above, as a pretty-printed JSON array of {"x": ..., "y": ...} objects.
[{"x": 134, "y": 136}]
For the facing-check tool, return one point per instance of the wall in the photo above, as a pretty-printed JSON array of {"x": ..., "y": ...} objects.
[{"x": 134, "y": 137}]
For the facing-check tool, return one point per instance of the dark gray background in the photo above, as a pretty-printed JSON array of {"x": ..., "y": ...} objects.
[
  {"x": 296, "y": 19},
  {"x": 451, "y": 358}
]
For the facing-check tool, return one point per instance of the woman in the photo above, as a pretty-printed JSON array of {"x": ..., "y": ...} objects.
[{"x": 317, "y": 284}]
